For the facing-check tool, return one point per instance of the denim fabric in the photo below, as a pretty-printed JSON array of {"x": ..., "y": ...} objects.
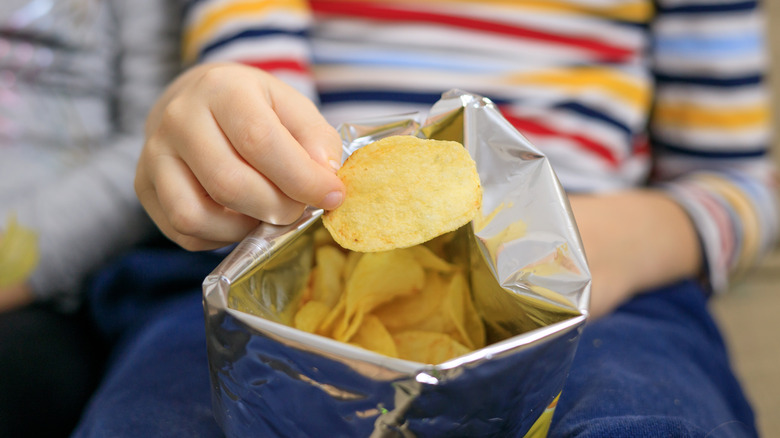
[{"x": 656, "y": 367}]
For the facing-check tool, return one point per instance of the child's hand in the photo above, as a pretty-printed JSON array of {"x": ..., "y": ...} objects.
[{"x": 228, "y": 146}]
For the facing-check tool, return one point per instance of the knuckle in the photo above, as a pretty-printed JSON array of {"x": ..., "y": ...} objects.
[
  {"x": 287, "y": 214},
  {"x": 258, "y": 139},
  {"x": 213, "y": 78},
  {"x": 185, "y": 220},
  {"x": 153, "y": 148},
  {"x": 173, "y": 118},
  {"x": 226, "y": 187}
]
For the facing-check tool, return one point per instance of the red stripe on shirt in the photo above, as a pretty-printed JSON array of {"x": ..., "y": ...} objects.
[
  {"x": 605, "y": 52},
  {"x": 277, "y": 64}
]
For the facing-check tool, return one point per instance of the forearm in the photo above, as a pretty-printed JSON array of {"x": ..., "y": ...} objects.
[{"x": 634, "y": 240}]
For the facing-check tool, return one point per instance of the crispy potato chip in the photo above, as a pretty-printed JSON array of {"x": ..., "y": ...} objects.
[
  {"x": 438, "y": 245},
  {"x": 410, "y": 311},
  {"x": 19, "y": 254},
  {"x": 335, "y": 315},
  {"x": 429, "y": 260},
  {"x": 322, "y": 237},
  {"x": 372, "y": 335},
  {"x": 474, "y": 326},
  {"x": 464, "y": 316},
  {"x": 326, "y": 285},
  {"x": 428, "y": 347},
  {"x": 403, "y": 191},
  {"x": 352, "y": 260},
  {"x": 310, "y": 316},
  {"x": 410, "y": 303},
  {"x": 378, "y": 278}
]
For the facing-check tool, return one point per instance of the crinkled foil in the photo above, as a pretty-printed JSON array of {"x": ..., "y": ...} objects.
[{"x": 529, "y": 279}]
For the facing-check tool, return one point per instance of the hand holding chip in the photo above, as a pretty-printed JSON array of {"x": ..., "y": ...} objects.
[{"x": 228, "y": 146}]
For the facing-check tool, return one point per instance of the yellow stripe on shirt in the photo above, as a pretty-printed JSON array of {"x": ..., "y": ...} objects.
[
  {"x": 687, "y": 115},
  {"x": 225, "y": 12},
  {"x": 575, "y": 80}
]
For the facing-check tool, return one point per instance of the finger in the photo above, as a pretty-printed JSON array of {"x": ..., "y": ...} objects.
[
  {"x": 304, "y": 121},
  {"x": 227, "y": 179},
  {"x": 148, "y": 197},
  {"x": 259, "y": 136},
  {"x": 183, "y": 209},
  {"x": 154, "y": 209}
]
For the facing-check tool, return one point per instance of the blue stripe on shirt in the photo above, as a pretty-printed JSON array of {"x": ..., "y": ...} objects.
[
  {"x": 737, "y": 6},
  {"x": 583, "y": 110},
  {"x": 711, "y": 81},
  {"x": 379, "y": 96},
  {"x": 708, "y": 152},
  {"x": 696, "y": 46},
  {"x": 408, "y": 59},
  {"x": 251, "y": 34}
]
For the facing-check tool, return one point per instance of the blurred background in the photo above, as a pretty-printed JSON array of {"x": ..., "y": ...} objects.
[{"x": 749, "y": 313}]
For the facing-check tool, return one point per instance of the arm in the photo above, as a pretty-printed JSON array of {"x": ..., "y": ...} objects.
[
  {"x": 634, "y": 240},
  {"x": 710, "y": 129},
  {"x": 708, "y": 213}
]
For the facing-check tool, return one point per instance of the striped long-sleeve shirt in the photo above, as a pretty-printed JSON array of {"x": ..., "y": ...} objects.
[{"x": 617, "y": 93}]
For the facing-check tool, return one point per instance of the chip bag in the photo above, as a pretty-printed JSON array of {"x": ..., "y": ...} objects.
[{"x": 471, "y": 333}]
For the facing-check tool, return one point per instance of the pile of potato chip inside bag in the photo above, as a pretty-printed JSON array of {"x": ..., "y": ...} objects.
[{"x": 412, "y": 302}]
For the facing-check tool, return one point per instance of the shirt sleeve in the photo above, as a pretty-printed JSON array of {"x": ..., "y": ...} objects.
[
  {"x": 92, "y": 212},
  {"x": 270, "y": 35},
  {"x": 710, "y": 128}
]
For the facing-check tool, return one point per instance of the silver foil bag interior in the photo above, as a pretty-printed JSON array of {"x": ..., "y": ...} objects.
[{"x": 529, "y": 280}]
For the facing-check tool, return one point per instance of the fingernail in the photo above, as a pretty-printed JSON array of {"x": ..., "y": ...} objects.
[
  {"x": 332, "y": 200},
  {"x": 334, "y": 164}
]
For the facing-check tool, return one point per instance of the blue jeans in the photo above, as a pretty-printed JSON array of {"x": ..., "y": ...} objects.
[{"x": 656, "y": 367}]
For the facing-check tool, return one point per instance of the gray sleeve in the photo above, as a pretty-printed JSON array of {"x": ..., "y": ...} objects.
[
  {"x": 93, "y": 213},
  {"x": 85, "y": 218}
]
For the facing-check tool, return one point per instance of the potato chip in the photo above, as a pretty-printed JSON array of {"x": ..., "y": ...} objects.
[
  {"x": 326, "y": 285},
  {"x": 335, "y": 316},
  {"x": 19, "y": 254},
  {"x": 429, "y": 260},
  {"x": 372, "y": 335},
  {"x": 412, "y": 310},
  {"x": 402, "y": 191},
  {"x": 409, "y": 303},
  {"x": 473, "y": 324},
  {"x": 378, "y": 278},
  {"x": 427, "y": 347},
  {"x": 322, "y": 237},
  {"x": 310, "y": 316},
  {"x": 464, "y": 316},
  {"x": 352, "y": 260}
]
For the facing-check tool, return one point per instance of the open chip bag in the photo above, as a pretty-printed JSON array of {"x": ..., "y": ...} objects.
[{"x": 479, "y": 345}]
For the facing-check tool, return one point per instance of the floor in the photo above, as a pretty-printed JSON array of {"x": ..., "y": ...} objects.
[
  {"x": 749, "y": 320},
  {"x": 750, "y": 314}
]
